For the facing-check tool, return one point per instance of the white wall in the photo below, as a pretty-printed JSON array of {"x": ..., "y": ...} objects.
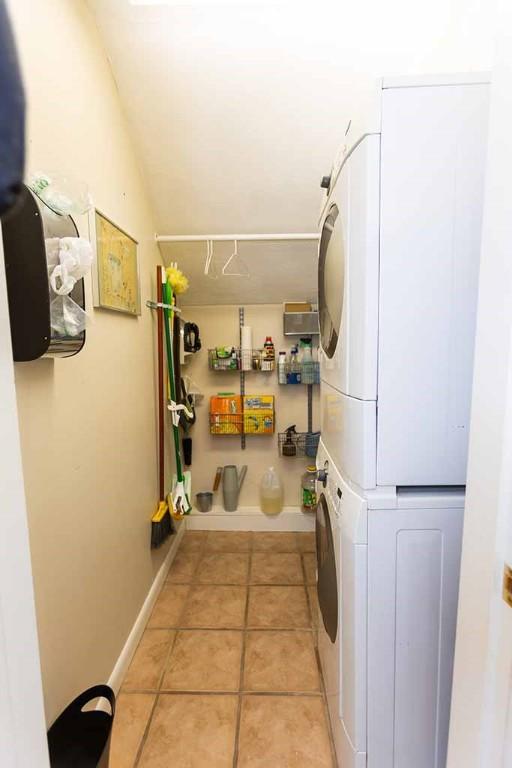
[
  {"x": 87, "y": 423},
  {"x": 480, "y": 664},
  {"x": 244, "y": 105},
  {"x": 219, "y": 327}
]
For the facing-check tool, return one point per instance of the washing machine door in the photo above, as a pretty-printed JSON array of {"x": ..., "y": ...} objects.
[
  {"x": 331, "y": 280},
  {"x": 327, "y": 583}
]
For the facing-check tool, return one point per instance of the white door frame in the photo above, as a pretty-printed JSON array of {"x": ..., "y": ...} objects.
[{"x": 22, "y": 722}]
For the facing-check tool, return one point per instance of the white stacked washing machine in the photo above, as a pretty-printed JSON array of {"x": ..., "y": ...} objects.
[{"x": 398, "y": 284}]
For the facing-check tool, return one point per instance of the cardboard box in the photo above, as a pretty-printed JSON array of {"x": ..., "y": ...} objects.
[{"x": 297, "y": 306}]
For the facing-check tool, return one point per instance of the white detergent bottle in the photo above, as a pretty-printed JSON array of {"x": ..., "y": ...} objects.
[{"x": 271, "y": 492}]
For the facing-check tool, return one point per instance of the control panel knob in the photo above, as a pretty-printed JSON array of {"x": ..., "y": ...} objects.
[{"x": 321, "y": 476}]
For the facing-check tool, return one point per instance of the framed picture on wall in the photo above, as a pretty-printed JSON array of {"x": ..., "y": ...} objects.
[{"x": 116, "y": 277}]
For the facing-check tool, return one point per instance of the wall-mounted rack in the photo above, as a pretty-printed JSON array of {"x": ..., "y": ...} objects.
[{"x": 240, "y": 359}]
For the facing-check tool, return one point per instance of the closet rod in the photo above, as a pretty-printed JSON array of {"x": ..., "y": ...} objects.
[{"x": 227, "y": 238}]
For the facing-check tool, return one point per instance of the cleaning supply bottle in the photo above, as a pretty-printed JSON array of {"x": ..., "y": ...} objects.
[
  {"x": 281, "y": 368},
  {"x": 308, "y": 485},
  {"x": 271, "y": 492},
  {"x": 306, "y": 361},
  {"x": 289, "y": 445},
  {"x": 269, "y": 355},
  {"x": 294, "y": 376}
]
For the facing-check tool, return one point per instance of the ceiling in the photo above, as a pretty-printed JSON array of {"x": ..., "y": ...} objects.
[{"x": 237, "y": 110}]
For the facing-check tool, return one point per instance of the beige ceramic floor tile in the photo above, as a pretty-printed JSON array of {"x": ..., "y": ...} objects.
[
  {"x": 148, "y": 662},
  {"x": 183, "y": 567},
  {"x": 169, "y": 606},
  {"x": 191, "y": 731},
  {"x": 281, "y": 661},
  {"x": 310, "y": 568},
  {"x": 278, "y": 608},
  {"x": 205, "y": 660},
  {"x": 223, "y": 568},
  {"x": 283, "y": 731},
  {"x": 314, "y": 607},
  {"x": 275, "y": 542},
  {"x": 132, "y": 715},
  {"x": 229, "y": 541},
  {"x": 276, "y": 568},
  {"x": 214, "y": 607},
  {"x": 193, "y": 541},
  {"x": 306, "y": 542}
]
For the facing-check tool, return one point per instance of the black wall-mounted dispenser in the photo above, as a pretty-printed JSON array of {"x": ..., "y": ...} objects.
[{"x": 25, "y": 230}]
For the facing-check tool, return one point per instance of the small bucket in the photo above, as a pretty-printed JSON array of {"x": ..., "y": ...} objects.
[{"x": 204, "y": 501}]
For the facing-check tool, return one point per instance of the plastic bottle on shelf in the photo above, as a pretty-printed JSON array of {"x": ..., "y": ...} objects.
[
  {"x": 269, "y": 355},
  {"x": 281, "y": 368},
  {"x": 308, "y": 486},
  {"x": 294, "y": 375},
  {"x": 271, "y": 492},
  {"x": 306, "y": 361}
]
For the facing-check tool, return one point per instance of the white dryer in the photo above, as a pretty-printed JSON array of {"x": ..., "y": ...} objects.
[
  {"x": 388, "y": 574},
  {"x": 398, "y": 280}
]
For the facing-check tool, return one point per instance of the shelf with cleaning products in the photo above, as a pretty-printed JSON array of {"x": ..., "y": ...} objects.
[
  {"x": 298, "y": 366},
  {"x": 237, "y": 359}
]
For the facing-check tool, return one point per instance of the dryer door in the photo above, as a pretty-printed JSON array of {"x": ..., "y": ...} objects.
[
  {"x": 327, "y": 584},
  {"x": 331, "y": 280},
  {"x": 348, "y": 275}
]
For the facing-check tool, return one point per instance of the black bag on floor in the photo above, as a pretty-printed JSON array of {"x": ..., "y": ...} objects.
[{"x": 82, "y": 739}]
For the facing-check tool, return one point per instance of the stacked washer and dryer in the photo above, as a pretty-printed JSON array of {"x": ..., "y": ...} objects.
[{"x": 398, "y": 284}]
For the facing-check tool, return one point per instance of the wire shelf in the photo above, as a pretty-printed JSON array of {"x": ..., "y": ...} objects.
[
  {"x": 240, "y": 360},
  {"x": 299, "y": 373},
  {"x": 304, "y": 443},
  {"x": 242, "y": 423}
]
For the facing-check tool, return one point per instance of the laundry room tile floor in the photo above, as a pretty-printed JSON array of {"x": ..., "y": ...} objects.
[{"x": 226, "y": 674}]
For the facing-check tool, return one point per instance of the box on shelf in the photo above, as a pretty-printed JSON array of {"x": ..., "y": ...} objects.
[
  {"x": 297, "y": 306},
  {"x": 259, "y": 416},
  {"x": 226, "y": 414}
]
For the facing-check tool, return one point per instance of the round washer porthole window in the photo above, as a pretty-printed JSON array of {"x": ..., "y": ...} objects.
[{"x": 327, "y": 584}]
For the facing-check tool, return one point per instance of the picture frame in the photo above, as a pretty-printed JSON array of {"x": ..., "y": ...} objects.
[{"x": 116, "y": 281}]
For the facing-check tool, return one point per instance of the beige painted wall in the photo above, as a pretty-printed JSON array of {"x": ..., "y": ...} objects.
[
  {"x": 219, "y": 327},
  {"x": 87, "y": 423}
]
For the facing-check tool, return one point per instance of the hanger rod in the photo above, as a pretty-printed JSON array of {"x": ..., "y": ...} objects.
[{"x": 228, "y": 238}]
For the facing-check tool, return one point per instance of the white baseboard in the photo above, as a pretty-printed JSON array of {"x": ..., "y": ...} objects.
[
  {"x": 136, "y": 632},
  {"x": 251, "y": 519}
]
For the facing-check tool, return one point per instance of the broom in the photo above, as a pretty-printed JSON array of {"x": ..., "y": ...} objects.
[{"x": 161, "y": 523}]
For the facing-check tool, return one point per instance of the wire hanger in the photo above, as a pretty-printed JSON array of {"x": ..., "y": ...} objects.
[
  {"x": 238, "y": 266},
  {"x": 210, "y": 268}
]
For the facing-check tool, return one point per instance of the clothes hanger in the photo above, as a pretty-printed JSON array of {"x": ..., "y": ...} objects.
[
  {"x": 210, "y": 268},
  {"x": 238, "y": 266}
]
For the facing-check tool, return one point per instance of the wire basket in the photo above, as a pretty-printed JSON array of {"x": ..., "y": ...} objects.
[
  {"x": 242, "y": 423},
  {"x": 226, "y": 423},
  {"x": 304, "y": 443},
  {"x": 239, "y": 360},
  {"x": 299, "y": 373}
]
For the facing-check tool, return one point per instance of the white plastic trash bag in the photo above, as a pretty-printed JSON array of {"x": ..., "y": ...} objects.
[{"x": 67, "y": 318}]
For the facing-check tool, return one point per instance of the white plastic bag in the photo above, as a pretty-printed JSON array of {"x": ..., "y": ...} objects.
[
  {"x": 61, "y": 192},
  {"x": 69, "y": 259},
  {"x": 67, "y": 317}
]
